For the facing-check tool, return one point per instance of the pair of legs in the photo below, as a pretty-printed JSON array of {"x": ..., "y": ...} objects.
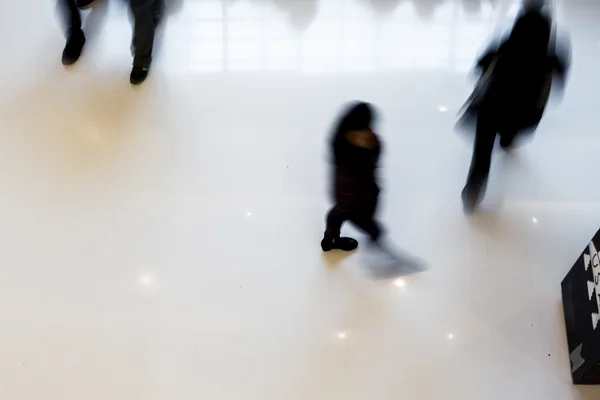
[
  {"x": 362, "y": 217},
  {"x": 485, "y": 136},
  {"x": 145, "y": 15}
]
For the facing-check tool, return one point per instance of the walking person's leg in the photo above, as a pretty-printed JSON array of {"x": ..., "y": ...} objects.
[
  {"x": 145, "y": 15},
  {"x": 332, "y": 240},
  {"x": 71, "y": 19},
  {"x": 474, "y": 189}
]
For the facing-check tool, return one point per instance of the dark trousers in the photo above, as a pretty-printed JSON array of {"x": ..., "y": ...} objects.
[
  {"x": 485, "y": 136},
  {"x": 70, "y": 15},
  {"x": 362, "y": 218},
  {"x": 145, "y": 18},
  {"x": 144, "y": 13}
]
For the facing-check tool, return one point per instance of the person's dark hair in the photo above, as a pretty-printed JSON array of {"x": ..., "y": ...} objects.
[
  {"x": 531, "y": 32},
  {"x": 357, "y": 116}
]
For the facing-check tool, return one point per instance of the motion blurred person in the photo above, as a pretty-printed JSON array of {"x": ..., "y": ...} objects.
[
  {"x": 355, "y": 150},
  {"x": 512, "y": 92},
  {"x": 146, "y": 16}
]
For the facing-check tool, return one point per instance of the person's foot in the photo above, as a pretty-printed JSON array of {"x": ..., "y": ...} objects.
[
  {"x": 471, "y": 198},
  {"x": 84, "y": 4},
  {"x": 343, "y": 243},
  {"x": 73, "y": 48},
  {"x": 139, "y": 73},
  {"x": 507, "y": 142}
]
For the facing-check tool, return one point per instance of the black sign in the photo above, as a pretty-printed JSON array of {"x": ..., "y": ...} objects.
[{"x": 581, "y": 303}]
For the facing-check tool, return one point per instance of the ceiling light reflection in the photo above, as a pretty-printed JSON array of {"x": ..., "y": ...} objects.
[
  {"x": 400, "y": 283},
  {"x": 146, "y": 280}
]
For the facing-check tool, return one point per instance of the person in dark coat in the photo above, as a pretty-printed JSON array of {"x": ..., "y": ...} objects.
[
  {"x": 512, "y": 92},
  {"x": 355, "y": 151}
]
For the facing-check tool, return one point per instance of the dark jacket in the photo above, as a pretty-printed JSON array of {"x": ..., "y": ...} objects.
[
  {"x": 516, "y": 76},
  {"x": 355, "y": 184}
]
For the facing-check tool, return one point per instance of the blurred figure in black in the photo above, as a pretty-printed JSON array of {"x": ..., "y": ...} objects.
[
  {"x": 512, "y": 93},
  {"x": 355, "y": 151},
  {"x": 146, "y": 15}
]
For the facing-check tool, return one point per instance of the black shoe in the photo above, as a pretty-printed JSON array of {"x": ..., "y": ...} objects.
[
  {"x": 507, "y": 142},
  {"x": 343, "y": 243},
  {"x": 73, "y": 48},
  {"x": 139, "y": 73},
  {"x": 471, "y": 199},
  {"x": 84, "y": 4}
]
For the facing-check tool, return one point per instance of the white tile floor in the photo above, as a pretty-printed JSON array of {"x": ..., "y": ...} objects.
[{"x": 162, "y": 242}]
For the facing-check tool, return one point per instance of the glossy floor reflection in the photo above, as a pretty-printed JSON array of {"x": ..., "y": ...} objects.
[{"x": 162, "y": 242}]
